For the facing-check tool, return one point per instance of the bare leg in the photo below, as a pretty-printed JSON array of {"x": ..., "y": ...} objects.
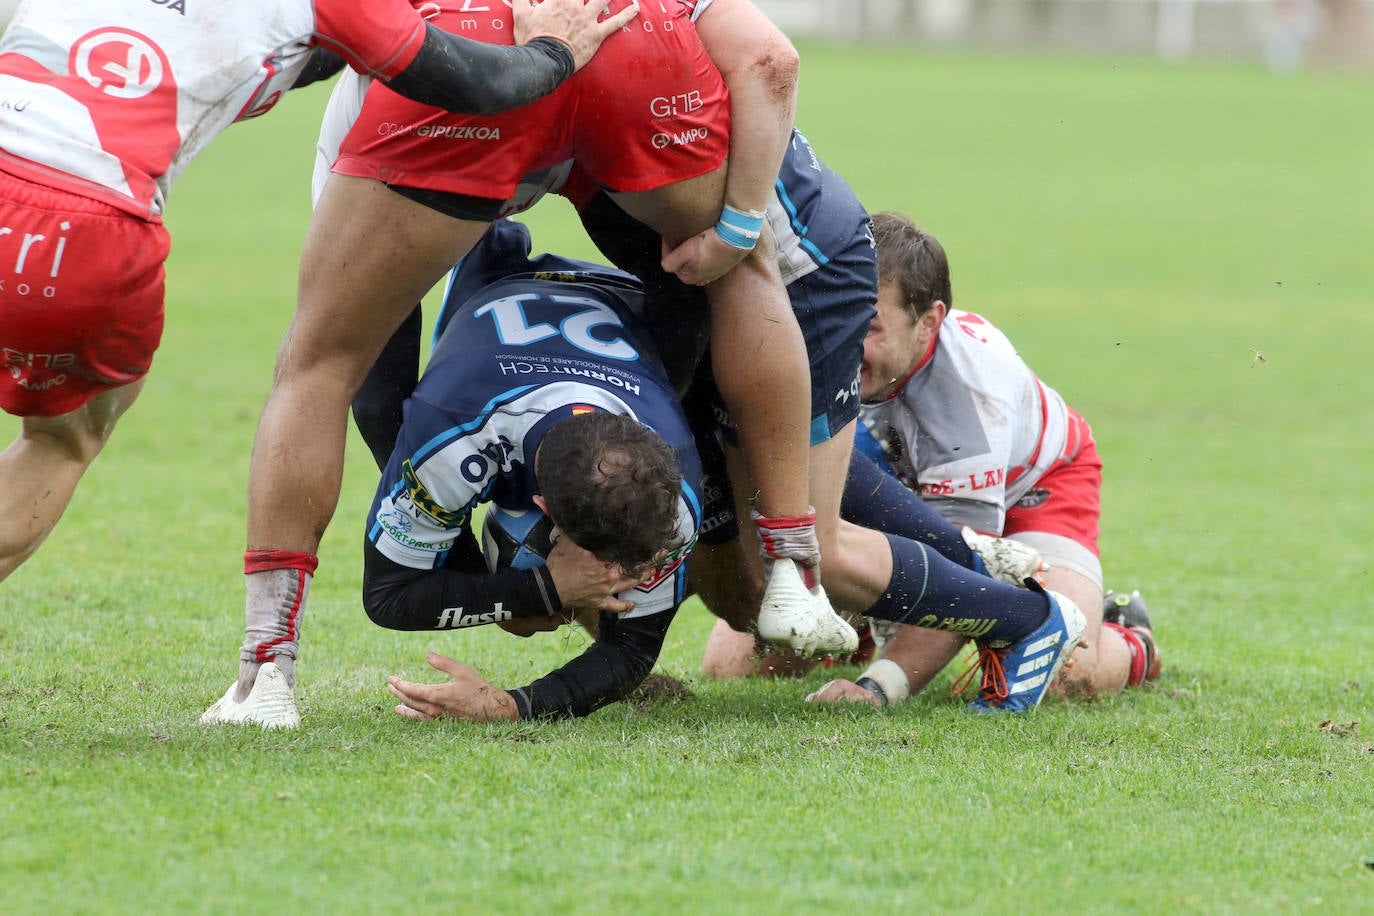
[
  {"x": 727, "y": 584},
  {"x": 757, "y": 351},
  {"x": 1103, "y": 666},
  {"x": 41, "y": 468},
  {"x": 732, "y": 654},
  {"x": 858, "y": 564},
  {"x": 369, "y": 256}
]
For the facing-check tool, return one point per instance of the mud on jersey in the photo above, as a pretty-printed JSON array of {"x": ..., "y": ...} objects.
[
  {"x": 112, "y": 99},
  {"x": 520, "y": 356}
]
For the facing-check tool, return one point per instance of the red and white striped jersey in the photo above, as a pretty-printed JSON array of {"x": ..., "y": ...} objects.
[{"x": 112, "y": 99}]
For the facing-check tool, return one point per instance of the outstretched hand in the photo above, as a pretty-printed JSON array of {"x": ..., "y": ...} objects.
[
  {"x": 842, "y": 691},
  {"x": 573, "y": 22},
  {"x": 465, "y": 695}
]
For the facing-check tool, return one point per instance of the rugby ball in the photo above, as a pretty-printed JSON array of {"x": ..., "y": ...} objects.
[{"x": 515, "y": 537}]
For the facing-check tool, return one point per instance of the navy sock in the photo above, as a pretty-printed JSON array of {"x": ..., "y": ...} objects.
[
  {"x": 927, "y": 590},
  {"x": 874, "y": 499}
]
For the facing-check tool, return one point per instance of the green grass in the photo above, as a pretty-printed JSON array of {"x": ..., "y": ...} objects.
[{"x": 1141, "y": 231}]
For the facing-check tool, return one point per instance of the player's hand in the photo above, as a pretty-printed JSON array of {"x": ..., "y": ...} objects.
[
  {"x": 466, "y": 695},
  {"x": 842, "y": 691},
  {"x": 586, "y": 583},
  {"x": 702, "y": 259},
  {"x": 572, "y": 22}
]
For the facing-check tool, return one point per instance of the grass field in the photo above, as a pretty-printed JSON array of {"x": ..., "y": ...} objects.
[{"x": 1183, "y": 251}]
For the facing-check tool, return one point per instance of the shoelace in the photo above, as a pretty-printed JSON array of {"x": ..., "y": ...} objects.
[{"x": 993, "y": 688}]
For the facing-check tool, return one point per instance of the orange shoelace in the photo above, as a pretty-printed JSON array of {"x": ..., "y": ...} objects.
[{"x": 993, "y": 688}]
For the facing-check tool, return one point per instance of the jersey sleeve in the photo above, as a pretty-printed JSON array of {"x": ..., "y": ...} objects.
[
  {"x": 615, "y": 664},
  {"x": 375, "y": 37},
  {"x": 424, "y": 501}
]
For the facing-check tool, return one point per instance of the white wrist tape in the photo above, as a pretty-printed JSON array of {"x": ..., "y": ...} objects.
[{"x": 891, "y": 678}]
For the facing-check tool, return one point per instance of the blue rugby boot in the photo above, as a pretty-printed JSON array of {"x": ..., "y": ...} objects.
[{"x": 1016, "y": 677}]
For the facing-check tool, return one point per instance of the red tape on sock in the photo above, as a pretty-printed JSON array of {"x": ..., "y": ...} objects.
[
  {"x": 1140, "y": 656},
  {"x": 255, "y": 561},
  {"x": 791, "y": 521}
]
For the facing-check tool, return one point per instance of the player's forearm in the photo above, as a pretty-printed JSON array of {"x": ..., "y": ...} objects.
[
  {"x": 920, "y": 655},
  {"x": 760, "y": 69},
  {"x": 472, "y": 77},
  {"x": 622, "y": 656},
  {"x": 401, "y": 598}
]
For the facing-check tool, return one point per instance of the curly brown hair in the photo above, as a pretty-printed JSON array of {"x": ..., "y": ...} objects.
[{"x": 612, "y": 485}]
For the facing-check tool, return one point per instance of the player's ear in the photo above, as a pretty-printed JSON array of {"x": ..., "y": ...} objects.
[
  {"x": 935, "y": 315},
  {"x": 539, "y": 501}
]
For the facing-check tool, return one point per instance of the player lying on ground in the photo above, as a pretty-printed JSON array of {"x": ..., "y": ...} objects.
[
  {"x": 999, "y": 451},
  {"x": 401, "y": 208},
  {"x": 543, "y": 395}
]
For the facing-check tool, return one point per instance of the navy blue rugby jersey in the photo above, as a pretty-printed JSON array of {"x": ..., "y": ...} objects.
[
  {"x": 814, "y": 214},
  {"x": 524, "y": 344}
]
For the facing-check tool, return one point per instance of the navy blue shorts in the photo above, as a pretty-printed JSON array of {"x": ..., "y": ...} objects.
[{"x": 834, "y": 305}]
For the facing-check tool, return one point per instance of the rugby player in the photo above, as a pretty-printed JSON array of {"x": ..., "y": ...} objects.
[
  {"x": 543, "y": 394},
  {"x": 999, "y": 451},
  {"x": 104, "y": 104},
  {"x": 827, "y": 254},
  {"x": 651, "y": 125}
]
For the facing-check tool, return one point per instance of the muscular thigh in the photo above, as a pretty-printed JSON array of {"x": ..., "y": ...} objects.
[{"x": 369, "y": 256}]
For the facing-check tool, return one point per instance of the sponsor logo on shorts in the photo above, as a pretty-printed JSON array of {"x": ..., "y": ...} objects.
[
  {"x": 439, "y": 131},
  {"x": 673, "y": 106},
  {"x": 34, "y": 254},
  {"x": 684, "y": 138},
  {"x": 37, "y": 371},
  {"x": 844, "y": 395}
]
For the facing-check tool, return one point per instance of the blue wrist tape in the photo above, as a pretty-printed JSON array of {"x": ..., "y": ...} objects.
[{"x": 739, "y": 228}]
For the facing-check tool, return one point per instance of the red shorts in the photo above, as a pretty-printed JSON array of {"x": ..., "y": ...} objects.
[
  {"x": 80, "y": 298},
  {"x": 649, "y": 110},
  {"x": 1067, "y": 499}
]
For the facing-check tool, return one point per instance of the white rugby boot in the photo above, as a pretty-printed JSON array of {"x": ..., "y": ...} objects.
[
  {"x": 271, "y": 703},
  {"x": 1005, "y": 559},
  {"x": 795, "y": 617}
]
